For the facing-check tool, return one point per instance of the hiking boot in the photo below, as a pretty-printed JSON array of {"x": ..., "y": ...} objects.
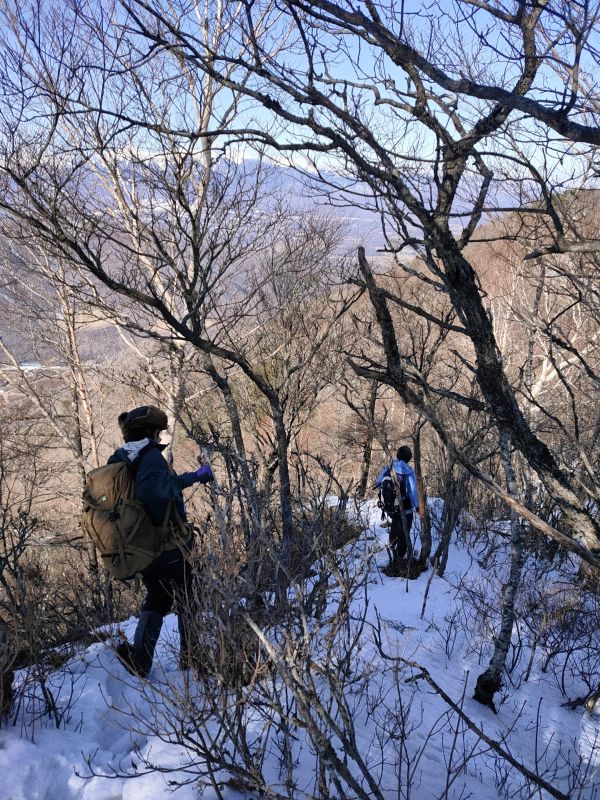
[
  {"x": 129, "y": 658},
  {"x": 145, "y": 639}
]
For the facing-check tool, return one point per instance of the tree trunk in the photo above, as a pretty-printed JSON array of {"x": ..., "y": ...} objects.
[
  {"x": 368, "y": 445},
  {"x": 500, "y": 395},
  {"x": 285, "y": 496},
  {"x": 426, "y": 543},
  {"x": 81, "y": 410},
  {"x": 579, "y": 520},
  {"x": 174, "y": 390},
  {"x": 490, "y": 681},
  {"x": 6, "y": 673},
  {"x": 86, "y": 428},
  {"x": 91, "y": 550},
  {"x": 454, "y": 493},
  {"x": 248, "y": 485}
]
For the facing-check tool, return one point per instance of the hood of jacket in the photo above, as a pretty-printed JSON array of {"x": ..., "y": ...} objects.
[
  {"x": 402, "y": 468},
  {"x": 130, "y": 451},
  {"x": 133, "y": 449}
]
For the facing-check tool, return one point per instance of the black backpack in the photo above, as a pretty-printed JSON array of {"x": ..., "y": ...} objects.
[{"x": 388, "y": 500}]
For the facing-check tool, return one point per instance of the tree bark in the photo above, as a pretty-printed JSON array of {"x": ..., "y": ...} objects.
[
  {"x": 498, "y": 392},
  {"x": 368, "y": 444},
  {"x": 248, "y": 485},
  {"x": 285, "y": 496},
  {"x": 426, "y": 542},
  {"x": 490, "y": 681},
  {"x": 6, "y": 673}
]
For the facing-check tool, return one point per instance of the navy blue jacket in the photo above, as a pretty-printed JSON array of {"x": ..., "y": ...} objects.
[{"x": 154, "y": 482}]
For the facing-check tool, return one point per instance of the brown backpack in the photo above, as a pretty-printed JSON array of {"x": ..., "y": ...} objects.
[{"x": 119, "y": 526}]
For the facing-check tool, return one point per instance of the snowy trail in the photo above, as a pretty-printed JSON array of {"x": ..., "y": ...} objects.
[{"x": 53, "y": 765}]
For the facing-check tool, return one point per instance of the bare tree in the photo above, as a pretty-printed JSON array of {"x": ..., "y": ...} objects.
[
  {"x": 167, "y": 229},
  {"x": 380, "y": 127},
  {"x": 38, "y": 302}
]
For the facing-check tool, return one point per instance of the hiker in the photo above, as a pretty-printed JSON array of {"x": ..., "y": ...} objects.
[
  {"x": 160, "y": 490},
  {"x": 399, "y": 500}
]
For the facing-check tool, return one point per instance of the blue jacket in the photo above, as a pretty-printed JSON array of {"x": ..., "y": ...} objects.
[
  {"x": 154, "y": 482},
  {"x": 402, "y": 468}
]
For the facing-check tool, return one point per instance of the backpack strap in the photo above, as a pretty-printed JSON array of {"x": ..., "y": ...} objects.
[{"x": 120, "y": 542}]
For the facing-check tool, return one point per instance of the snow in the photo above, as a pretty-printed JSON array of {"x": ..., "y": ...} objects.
[{"x": 46, "y": 759}]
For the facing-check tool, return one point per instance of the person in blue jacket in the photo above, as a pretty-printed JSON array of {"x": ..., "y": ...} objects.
[
  {"x": 402, "y": 512},
  {"x": 160, "y": 490}
]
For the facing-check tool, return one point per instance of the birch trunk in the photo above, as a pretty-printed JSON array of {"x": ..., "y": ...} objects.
[
  {"x": 81, "y": 411},
  {"x": 490, "y": 681}
]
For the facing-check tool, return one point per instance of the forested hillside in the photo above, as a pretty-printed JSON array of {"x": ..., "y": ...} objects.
[{"x": 310, "y": 233}]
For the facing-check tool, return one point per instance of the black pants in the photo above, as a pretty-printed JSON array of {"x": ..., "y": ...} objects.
[
  {"x": 399, "y": 534},
  {"x": 166, "y": 580}
]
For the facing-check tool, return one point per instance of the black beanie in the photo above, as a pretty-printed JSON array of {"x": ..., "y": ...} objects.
[{"x": 404, "y": 453}]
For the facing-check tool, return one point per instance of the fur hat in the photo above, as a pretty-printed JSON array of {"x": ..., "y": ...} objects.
[
  {"x": 404, "y": 453},
  {"x": 146, "y": 418}
]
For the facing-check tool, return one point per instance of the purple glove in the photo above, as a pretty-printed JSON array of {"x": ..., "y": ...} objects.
[{"x": 204, "y": 474}]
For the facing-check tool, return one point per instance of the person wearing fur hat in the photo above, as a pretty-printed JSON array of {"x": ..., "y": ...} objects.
[
  {"x": 406, "y": 501},
  {"x": 160, "y": 490}
]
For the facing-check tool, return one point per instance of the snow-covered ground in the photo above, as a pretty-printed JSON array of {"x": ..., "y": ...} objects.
[{"x": 434, "y": 756}]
